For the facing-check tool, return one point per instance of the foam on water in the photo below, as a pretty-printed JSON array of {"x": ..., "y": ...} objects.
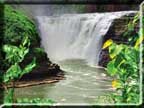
[{"x": 75, "y": 36}]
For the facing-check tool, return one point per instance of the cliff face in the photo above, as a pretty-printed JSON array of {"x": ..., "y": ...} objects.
[
  {"x": 115, "y": 33},
  {"x": 110, "y": 7}
]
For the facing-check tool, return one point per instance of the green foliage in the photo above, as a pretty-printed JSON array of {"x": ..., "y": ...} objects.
[
  {"x": 19, "y": 40},
  {"x": 124, "y": 67},
  {"x": 40, "y": 55},
  {"x": 28, "y": 67},
  {"x": 35, "y": 101},
  {"x": 39, "y": 52},
  {"x": 15, "y": 71},
  {"x": 130, "y": 32},
  {"x": 16, "y": 54},
  {"x": 9, "y": 97},
  {"x": 16, "y": 26}
]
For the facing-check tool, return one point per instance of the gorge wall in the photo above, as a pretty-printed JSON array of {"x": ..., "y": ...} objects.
[{"x": 115, "y": 33}]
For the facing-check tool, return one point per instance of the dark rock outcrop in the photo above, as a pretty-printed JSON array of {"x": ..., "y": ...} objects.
[
  {"x": 115, "y": 33},
  {"x": 111, "y": 7}
]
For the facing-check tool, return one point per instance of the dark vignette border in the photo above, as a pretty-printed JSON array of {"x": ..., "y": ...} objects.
[
  {"x": 72, "y": 1},
  {"x": 1, "y": 53},
  {"x": 59, "y": 2}
]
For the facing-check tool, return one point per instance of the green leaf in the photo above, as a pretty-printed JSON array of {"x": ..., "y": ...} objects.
[
  {"x": 29, "y": 67},
  {"x": 12, "y": 73},
  {"x": 114, "y": 50},
  {"x": 139, "y": 40},
  {"x": 9, "y": 96},
  {"x": 35, "y": 100},
  {"x": 111, "y": 69},
  {"x": 15, "y": 54},
  {"x": 25, "y": 41},
  {"x": 119, "y": 60}
]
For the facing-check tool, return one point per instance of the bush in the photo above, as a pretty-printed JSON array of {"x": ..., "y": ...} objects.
[
  {"x": 124, "y": 67},
  {"x": 16, "y": 26}
]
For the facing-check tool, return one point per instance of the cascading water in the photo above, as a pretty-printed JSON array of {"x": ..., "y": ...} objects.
[
  {"x": 76, "y": 36},
  {"x": 73, "y": 41}
]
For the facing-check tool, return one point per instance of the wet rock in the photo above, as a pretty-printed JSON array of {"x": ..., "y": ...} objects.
[
  {"x": 43, "y": 71},
  {"x": 115, "y": 33},
  {"x": 104, "y": 58}
]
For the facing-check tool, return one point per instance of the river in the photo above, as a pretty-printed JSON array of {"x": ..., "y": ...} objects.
[{"x": 83, "y": 84}]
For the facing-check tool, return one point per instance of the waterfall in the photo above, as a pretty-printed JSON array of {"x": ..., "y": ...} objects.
[{"x": 75, "y": 36}]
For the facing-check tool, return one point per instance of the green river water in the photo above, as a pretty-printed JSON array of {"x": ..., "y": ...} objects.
[{"x": 83, "y": 84}]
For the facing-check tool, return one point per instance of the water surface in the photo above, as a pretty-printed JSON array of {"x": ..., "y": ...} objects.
[{"x": 83, "y": 84}]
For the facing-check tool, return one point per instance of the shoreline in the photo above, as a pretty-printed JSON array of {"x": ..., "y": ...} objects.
[{"x": 48, "y": 80}]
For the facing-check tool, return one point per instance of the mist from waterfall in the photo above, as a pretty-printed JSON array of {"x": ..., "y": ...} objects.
[{"x": 75, "y": 36}]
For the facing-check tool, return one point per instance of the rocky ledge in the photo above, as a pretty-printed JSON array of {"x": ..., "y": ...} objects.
[{"x": 45, "y": 73}]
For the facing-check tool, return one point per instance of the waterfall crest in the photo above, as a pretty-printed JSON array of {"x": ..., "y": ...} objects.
[{"x": 75, "y": 36}]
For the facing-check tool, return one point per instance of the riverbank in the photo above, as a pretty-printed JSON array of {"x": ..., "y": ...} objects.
[
  {"x": 34, "y": 82},
  {"x": 45, "y": 73}
]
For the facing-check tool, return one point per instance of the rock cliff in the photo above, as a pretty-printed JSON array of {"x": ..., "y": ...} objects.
[{"x": 115, "y": 33}]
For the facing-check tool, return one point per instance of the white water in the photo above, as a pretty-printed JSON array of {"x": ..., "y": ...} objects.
[{"x": 75, "y": 36}]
